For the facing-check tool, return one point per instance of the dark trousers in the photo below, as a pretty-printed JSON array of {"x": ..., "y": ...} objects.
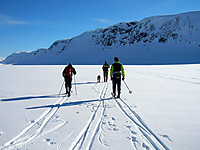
[
  {"x": 105, "y": 76},
  {"x": 116, "y": 82},
  {"x": 68, "y": 84}
]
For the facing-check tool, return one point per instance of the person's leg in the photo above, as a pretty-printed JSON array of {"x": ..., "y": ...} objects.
[
  {"x": 104, "y": 76},
  {"x": 119, "y": 87},
  {"x": 66, "y": 85},
  {"x": 70, "y": 86},
  {"x": 114, "y": 86}
]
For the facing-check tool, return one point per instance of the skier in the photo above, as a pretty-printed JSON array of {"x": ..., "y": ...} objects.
[
  {"x": 67, "y": 74},
  {"x": 116, "y": 71},
  {"x": 105, "y": 68}
]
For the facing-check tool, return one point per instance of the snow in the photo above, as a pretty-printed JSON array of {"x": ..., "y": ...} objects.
[
  {"x": 2, "y": 59},
  {"x": 161, "y": 113}
]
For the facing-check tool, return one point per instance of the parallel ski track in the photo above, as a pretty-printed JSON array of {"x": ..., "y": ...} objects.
[
  {"x": 141, "y": 125},
  {"x": 96, "y": 130},
  {"x": 168, "y": 77},
  {"x": 19, "y": 140},
  {"x": 80, "y": 140}
]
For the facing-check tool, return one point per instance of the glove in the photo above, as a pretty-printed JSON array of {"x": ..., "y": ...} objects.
[
  {"x": 111, "y": 78},
  {"x": 123, "y": 78}
]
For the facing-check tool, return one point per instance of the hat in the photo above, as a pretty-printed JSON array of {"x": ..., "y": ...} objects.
[
  {"x": 70, "y": 65},
  {"x": 116, "y": 59}
]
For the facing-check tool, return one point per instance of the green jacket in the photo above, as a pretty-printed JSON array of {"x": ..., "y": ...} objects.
[{"x": 113, "y": 69}]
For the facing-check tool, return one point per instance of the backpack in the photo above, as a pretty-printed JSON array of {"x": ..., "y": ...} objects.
[
  {"x": 117, "y": 69},
  {"x": 105, "y": 67},
  {"x": 68, "y": 72}
]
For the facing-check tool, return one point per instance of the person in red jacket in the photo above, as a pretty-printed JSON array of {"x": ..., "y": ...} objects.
[{"x": 67, "y": 74}]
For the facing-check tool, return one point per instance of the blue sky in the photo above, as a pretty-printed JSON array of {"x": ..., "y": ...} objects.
[{"x": 26, "y": 25}]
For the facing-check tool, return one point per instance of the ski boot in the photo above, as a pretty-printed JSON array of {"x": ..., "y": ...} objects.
[{"x": 113, "y": 95}]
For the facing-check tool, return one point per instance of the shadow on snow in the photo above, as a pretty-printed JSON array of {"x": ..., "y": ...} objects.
[
  {"x": 84, "y": 83},
  {"x": 37, "y": 97},
  {"x": 28, "y": 97},
  {"x": 69, "y": 103}
]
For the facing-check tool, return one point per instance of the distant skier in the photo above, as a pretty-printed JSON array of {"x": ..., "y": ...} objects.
[
  {"x": 105, "y": 68},
  {"x": 116, "y": 71},
  {"x": 67, "y": 74}
]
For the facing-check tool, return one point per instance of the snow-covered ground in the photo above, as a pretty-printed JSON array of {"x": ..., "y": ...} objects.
[{"x": 161, "y": 113}]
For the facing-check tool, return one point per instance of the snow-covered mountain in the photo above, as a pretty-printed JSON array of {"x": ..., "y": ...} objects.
[
  {"x": 1, "y": 59},
  {"x": 170, "y": 39}
]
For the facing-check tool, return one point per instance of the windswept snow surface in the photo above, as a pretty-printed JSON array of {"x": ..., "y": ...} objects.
[{"x": 161, "y": 113}]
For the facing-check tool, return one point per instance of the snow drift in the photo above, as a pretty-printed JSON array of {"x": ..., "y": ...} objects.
[{"x": 170, "y": 39}]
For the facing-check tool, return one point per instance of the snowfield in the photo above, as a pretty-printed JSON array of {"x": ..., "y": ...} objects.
[{"x": 161, "y": 113}]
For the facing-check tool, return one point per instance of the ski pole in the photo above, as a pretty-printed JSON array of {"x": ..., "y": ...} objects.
[
  {"x": 61, "y": 88},
  {"x": 75, "y": 85},
  {"x": 127, "y": 87}
]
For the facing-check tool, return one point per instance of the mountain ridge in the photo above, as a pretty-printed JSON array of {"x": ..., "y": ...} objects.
[{"x": 166, "y": 39}]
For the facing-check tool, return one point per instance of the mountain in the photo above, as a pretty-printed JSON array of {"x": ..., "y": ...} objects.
[
  {"x": 169, "y": 39},
  {"x": 2, "y": 59}
]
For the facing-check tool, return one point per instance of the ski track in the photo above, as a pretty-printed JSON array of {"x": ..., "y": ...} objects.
[
  {"x": 100, "y": 120},
  {"x": 87, "y": 136},
  {"x": 81, "y": 139},
  {"x": 60, "y": 144},
  {"x": 20, "y": 141},
  {"x": 141, "y": 126},
  {"x": 169, "y": 77}
]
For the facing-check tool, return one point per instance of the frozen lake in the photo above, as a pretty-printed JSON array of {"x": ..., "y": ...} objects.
[{"x": 161, "y": 113}]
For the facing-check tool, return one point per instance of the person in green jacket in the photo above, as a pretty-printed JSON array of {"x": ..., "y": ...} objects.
[{"x": 116, "y": 71}]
